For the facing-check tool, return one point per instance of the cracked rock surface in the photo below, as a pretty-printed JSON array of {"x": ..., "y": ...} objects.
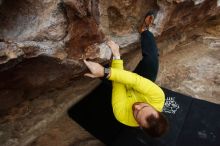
[{"x": 43, "y": 43}]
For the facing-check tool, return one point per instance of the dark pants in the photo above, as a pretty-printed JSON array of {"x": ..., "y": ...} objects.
[{"x": 148, "y": 68}]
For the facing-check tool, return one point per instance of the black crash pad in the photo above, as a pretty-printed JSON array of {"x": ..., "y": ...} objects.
[{"x": 192, "y": 121}]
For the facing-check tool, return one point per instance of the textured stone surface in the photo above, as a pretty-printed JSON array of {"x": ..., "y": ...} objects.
[
  {"x": 43, "y": 43},
  {"x": 193, "y": 67},
  {"x": 122, "y": 17},
  {"x": 23, "y": 123},
  {"x": 26, "y": 122},
  {"x": 60, "y": 134},
  {"x": 32, "y": 20}
]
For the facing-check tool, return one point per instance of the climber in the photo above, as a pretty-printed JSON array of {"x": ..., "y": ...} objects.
[
  {"x": 136, "y": 101},
  {"x": 148, "y": 66}
]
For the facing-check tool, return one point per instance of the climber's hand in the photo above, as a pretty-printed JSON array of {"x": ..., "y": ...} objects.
[
  {"x": 96, "y": 69},
  {"x": 114, "y": 47}
]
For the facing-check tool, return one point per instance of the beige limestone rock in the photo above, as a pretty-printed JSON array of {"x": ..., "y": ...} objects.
[{"x": 43, "y": 43}]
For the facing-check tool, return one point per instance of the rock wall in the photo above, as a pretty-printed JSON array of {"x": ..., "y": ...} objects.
[
  {"x": 193, "y": 67},
  {"x": 43, "y": 43}
]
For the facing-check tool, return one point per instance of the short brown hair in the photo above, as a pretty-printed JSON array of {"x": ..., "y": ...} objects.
[{"x": 157, "y": 125}]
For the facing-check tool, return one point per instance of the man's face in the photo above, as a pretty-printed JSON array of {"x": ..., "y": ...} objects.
[
  {"x": 141, "y": 111},
  {"x": 149, "y": 20}
]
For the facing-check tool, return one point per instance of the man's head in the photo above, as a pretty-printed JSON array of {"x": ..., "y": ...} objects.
[{"x": 150, "y": 120}]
